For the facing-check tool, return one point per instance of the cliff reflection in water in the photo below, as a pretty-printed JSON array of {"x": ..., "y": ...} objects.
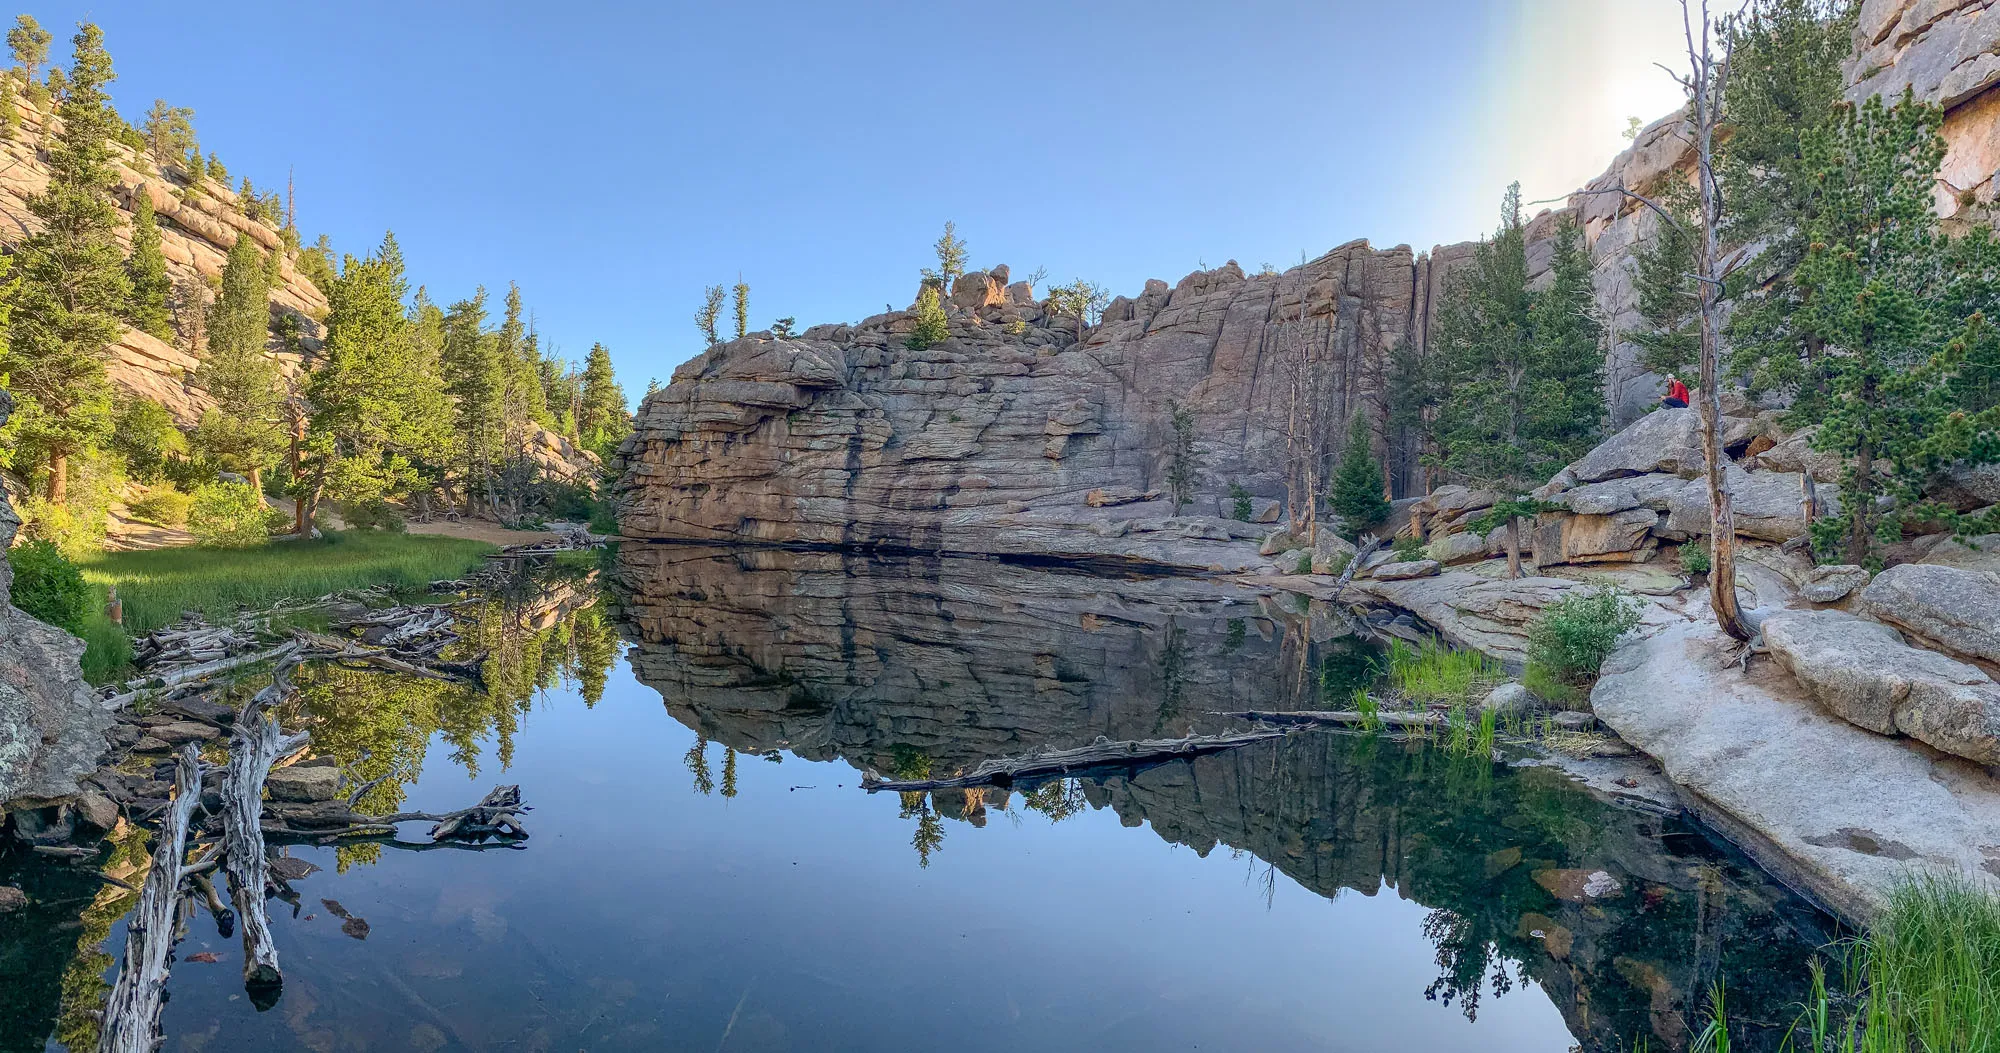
[{"x": 1624, "y": 917}]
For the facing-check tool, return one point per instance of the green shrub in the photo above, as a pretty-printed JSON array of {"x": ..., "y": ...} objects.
[
  {"x": 932, "y": 327},
  {"x": 1305, "y": 563},
  {"x": 1240, "y": 507},
  {"x": 164, "y": 506},
  {"x": 1694, "y": 557},
  {"x": 48, "y": 586},
  {"x": 373, "y": 514},
  {"x": 1409, "y": 549},
  {"x": 1575, "y": 634},
  {"x": 229, "y": 515}
]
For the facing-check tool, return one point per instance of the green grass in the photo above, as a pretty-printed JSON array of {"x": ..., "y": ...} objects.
[
  {"x": 1933, "y": 969},
  {"x": 1925, "y": 979},
  {"x": 1433, "y": 673},
  {"x": 155, "y": 586}
]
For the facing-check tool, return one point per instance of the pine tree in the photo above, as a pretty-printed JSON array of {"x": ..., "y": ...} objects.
[
  {"x": 932, "y": 326},
  {"x": 30, "y": 44},
  {"x": 377, "y": 400},
  {"x": 1669, "y": 301},
  {"x": 147, "y": 269},
  {"x": 602, "y": 422},
  {"x": 950, "y": 255},
  {"x": 216, "y": 171},
  {"x": 475, "y": 373},
  {"x": 1897, "y": 307},
  {"x": 1524, "y": 369},
  {"x": 742, "y": 307},
  {"x": 1356, "y": 493},
  {"x": 169, "y": 132},
  {"x": 241, "y": 429},
  {"x": 520, "y": 354},
  {"x": 73, "y": 281},
  {"x": 1784, "y": 90},
  {"x": 710, "y": 313}
]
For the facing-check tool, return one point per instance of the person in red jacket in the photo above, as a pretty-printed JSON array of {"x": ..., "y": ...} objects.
[{"x": 1677, "y": 393}]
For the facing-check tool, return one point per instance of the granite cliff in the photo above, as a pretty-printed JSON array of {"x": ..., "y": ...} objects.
[{"x": 1030, "y": 433}]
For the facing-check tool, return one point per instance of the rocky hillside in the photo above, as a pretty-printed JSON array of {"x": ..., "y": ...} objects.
[
  {"x": 1019, "y": 432},
  {"x": 197, "y": 227}
]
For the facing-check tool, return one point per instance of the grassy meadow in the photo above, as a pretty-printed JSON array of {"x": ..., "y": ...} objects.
[{"x": 156, "y": 585}]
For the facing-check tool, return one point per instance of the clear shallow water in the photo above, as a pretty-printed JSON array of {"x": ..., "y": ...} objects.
[{"x": 705, "y": 873}]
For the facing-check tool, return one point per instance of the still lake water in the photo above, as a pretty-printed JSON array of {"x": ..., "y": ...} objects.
[{"x": 706, "y": 874}]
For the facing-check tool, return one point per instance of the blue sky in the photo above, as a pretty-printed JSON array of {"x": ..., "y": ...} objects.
[{"x": 614, "y": 158}]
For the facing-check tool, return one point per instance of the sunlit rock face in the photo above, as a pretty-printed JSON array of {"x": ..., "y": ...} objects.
[
  {"x": 996, "y": 439},
  {"x": 1624, "y": 917}
]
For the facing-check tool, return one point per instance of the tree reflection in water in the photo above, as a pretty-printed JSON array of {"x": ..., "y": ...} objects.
[{"x": 533, "y": 635}]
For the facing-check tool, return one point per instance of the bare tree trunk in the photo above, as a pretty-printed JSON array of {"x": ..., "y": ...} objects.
[
  {"x": 1705, "y": 99},
  {"x": 255, "y": 746},
  {"x": 1513, "y": 546},
  {"x": 257, "y": 478},
  {"x": 132, "y": 1013},
  {"x": 58, "y": 476}
]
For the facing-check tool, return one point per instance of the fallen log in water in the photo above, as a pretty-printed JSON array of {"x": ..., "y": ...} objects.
[
  {"x": 496, "y": 815},
  {"x": 1344, "y": 717},
  {"x": 256, "y": 745},
  {"x": 1099, "y": 754},
  {"x": 171, "y": 678},
  {"x": 132, "y": 1014}
]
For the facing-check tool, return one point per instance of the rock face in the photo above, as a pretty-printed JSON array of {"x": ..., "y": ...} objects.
[
  {"x": 848, "y": 436},
  {"x": 1957, "y": 609},
  {"x": 51, "y": 728},
  {"x": 1864, "y": 672}
]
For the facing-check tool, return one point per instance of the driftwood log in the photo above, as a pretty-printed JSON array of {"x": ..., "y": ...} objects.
[
  {"x": 253, "y": 749},
  {"x": 132, "y": 1014},
  {"x": 496, "y": 815},
  {"x": 1099, "y": 754},
  {"x": 1361, "y": 555},
  {"x": 1387, "y": 718}
]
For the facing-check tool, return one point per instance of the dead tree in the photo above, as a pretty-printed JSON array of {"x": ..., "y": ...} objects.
[
  {"x": 253, "y": 749},
  {"x": 1006, "y": 771},
  {"x": 132, "y": 1014},
  {"x": 1705, "y": 83}
]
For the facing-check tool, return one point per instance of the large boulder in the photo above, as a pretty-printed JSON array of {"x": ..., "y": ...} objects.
[
  {"x": 1483, "y": 614},
  {"x": 1617, "y": 495},
  {"x": 1830, "y": 808},
  {"x": 51, "y": 728},
  {"x": 1958, "y": 609},
  {"x": 1621, "y": 537},
  {"x": 1768, "y": 505},
  {"x": 1795, "y": 454},
  {"x": 1667, "y": 440},
  {"x": 1863, "y": 672}
]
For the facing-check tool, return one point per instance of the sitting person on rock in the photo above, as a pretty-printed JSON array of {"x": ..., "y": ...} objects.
[{"x": 1677, "y": 394}]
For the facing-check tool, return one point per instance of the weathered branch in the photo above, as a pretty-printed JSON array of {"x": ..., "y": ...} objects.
[
  {"x": 132, "y": 1013},
  {"x": 256, "y": 745},
  {"x": 1343, "y": 717}
]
